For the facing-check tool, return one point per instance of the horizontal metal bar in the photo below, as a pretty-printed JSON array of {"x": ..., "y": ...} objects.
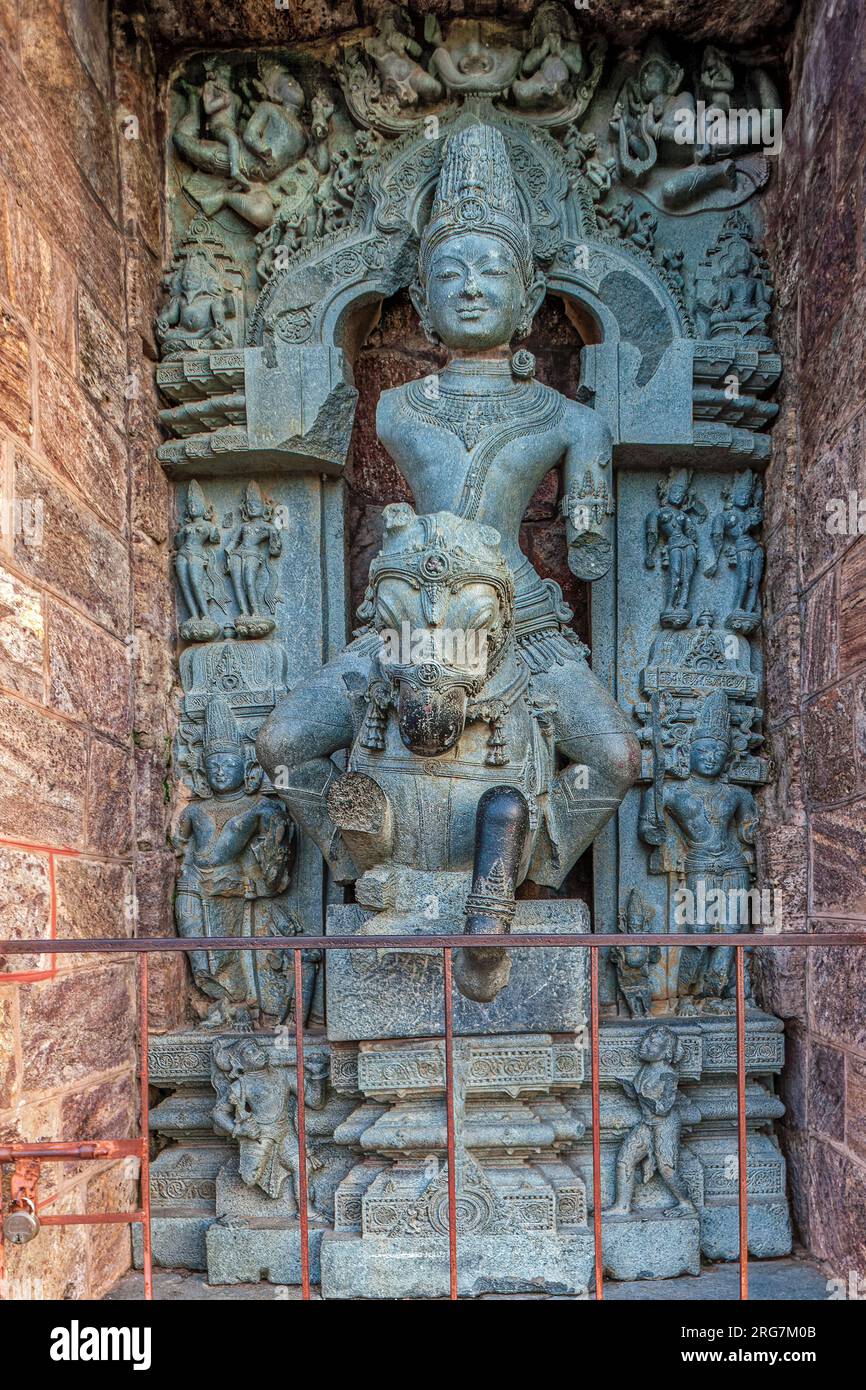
[
  {"x": 50, "y": 1150},
  {"x": 106, "y": 1218},
  {"x": 530, "y": 940}
]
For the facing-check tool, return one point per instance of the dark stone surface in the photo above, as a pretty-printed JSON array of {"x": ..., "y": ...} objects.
[
  {"x": 223, "y": 22},
  {"x": 827, "y": 1091}
]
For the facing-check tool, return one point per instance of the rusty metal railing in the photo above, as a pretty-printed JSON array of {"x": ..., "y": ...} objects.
[{"x": 144, "y": 946}]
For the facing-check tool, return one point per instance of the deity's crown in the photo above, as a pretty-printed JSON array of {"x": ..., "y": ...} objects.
[
  {"x": 221, "y": 732},
  {"x": 476, "y": 192},
  {"x": 714, "y": 719}
]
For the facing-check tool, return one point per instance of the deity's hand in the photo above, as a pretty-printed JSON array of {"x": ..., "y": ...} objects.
[{"x": 652, "y": 832}]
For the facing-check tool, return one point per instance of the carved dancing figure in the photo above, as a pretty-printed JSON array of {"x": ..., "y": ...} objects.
[
  {"x": 248, "y": 550},
  {"x": 731, "y": 535},
  {"x": 258, "y": 1106},
  {"x": 655, "y": 1140},
  {"x": 671, "y": 535}
]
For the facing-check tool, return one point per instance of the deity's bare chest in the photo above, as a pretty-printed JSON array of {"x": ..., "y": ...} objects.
[{"x": 480, "y": 455}]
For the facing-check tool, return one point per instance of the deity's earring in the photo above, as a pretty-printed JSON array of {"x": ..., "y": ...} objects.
[{"x": 419, "y": 300}]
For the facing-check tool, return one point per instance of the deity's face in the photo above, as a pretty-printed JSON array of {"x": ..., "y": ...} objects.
[
  {"x": 475, "y": 291},
  {"x": 224, "y": 771},
  {"x": 708, "y": 756},
  {"x": 653, "y": 81},
  {"x": 677, "y": 494},
  {"x": 741, "y": 495}
]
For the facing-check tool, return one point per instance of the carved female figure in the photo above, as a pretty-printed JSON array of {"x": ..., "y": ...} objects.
[
  {"x": 671, "y": 533},
  {"x": 718, "y": 823},
  {"x": 248, "y": 550},
  {"x": 236, "y": 847},
  {"x": 731, "y": 535},
  {"x": 193, "y": 563}
]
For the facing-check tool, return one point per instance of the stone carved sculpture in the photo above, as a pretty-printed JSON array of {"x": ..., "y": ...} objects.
[
  {"x": 471, "y": 58},
  {"x": 646, "y": 110},
  {"x": 555, "y": 67},
  {"x": 632, "y": 962},
  {"x": 250, "y": 549},
  {"x": 257, "y": 1105},
  {"x": 469, "y": 714},
  {"x": 473, "y": 452},
  {"x": 732, "y": 536},
  {"x": 254, "y": 155},
  {"x": 236, "y": 848},
  {"x": 201, "y": 296},
  {"x": 672, "y": 538},
  {"x": 717, "y": 823},
  {"x": 654, "y": 1141},
  {"x": 733, "y": 290},
  {"x": 199, "y": 580},
  {"x": 395, "y": 53}
]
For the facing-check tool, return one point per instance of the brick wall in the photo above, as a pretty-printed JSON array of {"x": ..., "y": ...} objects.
[
  {"x": 85, "y": 618},
  {"x": 815, "y": 837}
]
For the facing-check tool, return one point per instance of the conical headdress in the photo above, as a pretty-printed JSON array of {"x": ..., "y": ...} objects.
[
  {"x": 221, "y": 732},
  {"x": 476, "y": 192},
  {"x": 714, "y": 719}
]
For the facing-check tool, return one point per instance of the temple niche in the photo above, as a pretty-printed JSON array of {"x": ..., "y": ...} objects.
[{"x": 494, "y": 180}]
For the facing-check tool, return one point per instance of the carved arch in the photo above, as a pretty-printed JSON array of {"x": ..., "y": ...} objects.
[{"x": 323, "y": 286}]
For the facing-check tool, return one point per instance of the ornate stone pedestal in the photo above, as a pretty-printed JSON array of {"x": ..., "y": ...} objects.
[{"x": 521, "y": 1204}]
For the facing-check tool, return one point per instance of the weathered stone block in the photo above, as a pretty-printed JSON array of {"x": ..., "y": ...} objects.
[
  {"x": 15, "y": 378},
  {"x": 660, "y": 1245},
  {"x": 22, "y": 637},
  {"x": 392, "y": 994},
  {"x": 828, "y": 744},
  {"x": 80, "y": 445},
  {"x": 838, "y": 851},
  {"x": 90, "y": 567},
  {"x": 89, "y": 673},
  {"x": 41, "y": 284},
  {"x": 25, "y": 906},
  {"x": 243, "y": 1250},
  {"x": 77, "y": 1025},
  {"x": 109, "y": 798},
  {"x": 101, "y": 359},
  {"x": 44, "y": 775}
]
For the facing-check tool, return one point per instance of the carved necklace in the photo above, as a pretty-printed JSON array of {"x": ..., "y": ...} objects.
[{"x": 522, "y": 407}]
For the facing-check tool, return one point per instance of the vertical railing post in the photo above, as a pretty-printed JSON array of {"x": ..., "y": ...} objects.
[
  {"x": 302, "y": 1124},
  {"x": 449, "y": 1118},
  {"x": 596, "y": 1120},
  {"x": 742, "y": 1160},
  {"x": 144, "y": 1077}
]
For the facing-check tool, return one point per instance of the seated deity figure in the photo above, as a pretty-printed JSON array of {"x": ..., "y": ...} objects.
[{"x": 431, "y": 731}]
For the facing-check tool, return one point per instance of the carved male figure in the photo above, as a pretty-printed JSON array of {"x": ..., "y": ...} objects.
[
  {"x": 717, "y": 821},
  {"x": 236, "y": 848}
]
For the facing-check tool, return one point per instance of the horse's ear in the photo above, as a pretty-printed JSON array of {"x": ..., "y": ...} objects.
[{"x": 396, "y": 517}]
